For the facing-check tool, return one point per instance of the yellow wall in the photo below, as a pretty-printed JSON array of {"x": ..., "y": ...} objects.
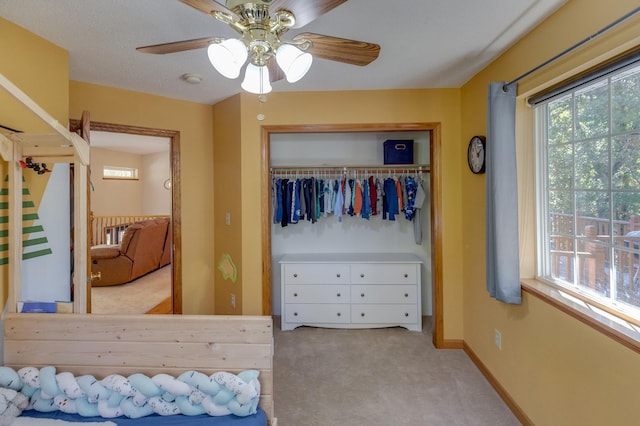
[
  {"x": 194, "y": 122},
  {"x": 40, "y": 69},
  {"x": 115, "y": 197},
  {"x": 357, "y": 107},
  {"x": 558, "y": 370},
  {"x": 226, "y": 190}
]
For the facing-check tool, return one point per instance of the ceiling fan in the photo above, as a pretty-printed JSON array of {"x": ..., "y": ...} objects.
[{"x": 261, "y": 24}]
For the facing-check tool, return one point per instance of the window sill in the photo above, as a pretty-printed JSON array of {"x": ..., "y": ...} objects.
[{"x": 618, "y": 329}]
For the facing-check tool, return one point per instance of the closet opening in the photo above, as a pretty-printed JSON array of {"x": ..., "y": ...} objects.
[{"x": 277, "y": 140}]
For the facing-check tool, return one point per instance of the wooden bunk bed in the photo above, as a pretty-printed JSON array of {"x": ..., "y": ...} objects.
[
  {"x": 60, "y": 146},
  {"x": 102, "y": 345}
]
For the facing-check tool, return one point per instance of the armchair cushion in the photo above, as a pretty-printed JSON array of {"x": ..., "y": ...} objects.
[{"x": 105, "y": 251}]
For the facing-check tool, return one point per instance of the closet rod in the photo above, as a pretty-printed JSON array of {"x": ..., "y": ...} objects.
[
  {"x": 424, "y": 168},
  {"x": 505, "y": 86}
]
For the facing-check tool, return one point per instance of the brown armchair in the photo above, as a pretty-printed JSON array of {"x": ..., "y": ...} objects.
[{"x": 142, "y": 250}]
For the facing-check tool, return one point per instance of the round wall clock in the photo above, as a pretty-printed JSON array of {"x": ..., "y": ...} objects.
[{"x": 476, "y": 154}]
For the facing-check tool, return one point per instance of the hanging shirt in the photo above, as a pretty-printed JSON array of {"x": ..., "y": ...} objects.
[
  {"x": 410, "y": 187},
  {"x": 357, "y": 198},
  {"x": 399, "y": 193},
  {"x": 380, "y": 190},
  {"x": 314, "y": 200},
  {"x": 286, "y": 201},
  {"x": 326, "y": 189},
  {"x": 417, "y": 221},
  {"x": 304, "y": 199},
  {"x": 339, "y": 201},
  {"x": 366, "y": 200},
  {"x": 348, "y": 207},
  {"x": 319, "y": 198},
  {"x": 278, "y": 201},
  {"x": 295, "y": 201},
  {"x": 373, "y": 196},
  {"x": 390, "y": 199}
]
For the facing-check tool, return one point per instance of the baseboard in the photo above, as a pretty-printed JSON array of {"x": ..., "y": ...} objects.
[
  {"x": 452, "y": 344},
  {"x": 513, "y": 406}
]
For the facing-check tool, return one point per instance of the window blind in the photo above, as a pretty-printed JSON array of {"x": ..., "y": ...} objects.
[{"x": 588, "y": 76}]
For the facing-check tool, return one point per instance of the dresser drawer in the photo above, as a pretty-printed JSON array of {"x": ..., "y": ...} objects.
[
  {"x": 384, "y": 293},
  {"x": 321, "y": 313},
  {"x": 316, "y": 273},
  {"x": 387, "y": 314},
  {"x": 368, "y": 273},
  {"x": 316, "y": 293}
]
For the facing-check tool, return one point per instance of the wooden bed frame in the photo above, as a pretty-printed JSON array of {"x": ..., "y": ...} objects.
[{"x": 150, "y": 344}]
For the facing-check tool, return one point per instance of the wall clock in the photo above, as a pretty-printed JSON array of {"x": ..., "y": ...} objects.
[{"x": 476, "y": 154}]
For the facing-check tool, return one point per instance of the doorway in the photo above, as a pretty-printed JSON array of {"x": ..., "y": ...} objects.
[{"x": 175, "y": 305}]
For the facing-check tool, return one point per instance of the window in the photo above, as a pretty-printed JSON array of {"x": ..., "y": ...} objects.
[
  {"x": 114, "y": 172},
  {"x": 588, "y": 139}
]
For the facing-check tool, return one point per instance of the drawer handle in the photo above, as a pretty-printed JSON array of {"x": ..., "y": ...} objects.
[
  {"x": 406, "y": 295},
  {"x": 361, "y": 275},
  {"x": 406, "y": 314},
  {"x": 406, "y": 275},
  {"x": 295, "y": 275},
  {"x": 339, "y": 314},
  {"x": 338, "y": 294},
  {"x": 361, "y": 294},
  {"x": 295, "y": 294},
  {"x": 338, "y": 275},
  {"x": 295, "y": 314},
  {"x": 362, "y": 314}
]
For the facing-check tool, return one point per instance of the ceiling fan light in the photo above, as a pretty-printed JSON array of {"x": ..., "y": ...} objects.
[
  {"x": 228, "y": 57},
  {"x": 256, "y": 80},
  {"x": 294, "y": 62}
]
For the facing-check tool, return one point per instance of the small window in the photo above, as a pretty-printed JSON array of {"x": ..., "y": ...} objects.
[{"x": 114, "y": 172}]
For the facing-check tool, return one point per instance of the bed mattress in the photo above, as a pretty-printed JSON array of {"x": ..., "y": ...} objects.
[{"x": 258, "y": 419}]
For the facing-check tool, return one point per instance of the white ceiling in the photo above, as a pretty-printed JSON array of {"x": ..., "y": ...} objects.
[
  {"x": 424, "y": 43},
  {"x": 133, "y": 144}
]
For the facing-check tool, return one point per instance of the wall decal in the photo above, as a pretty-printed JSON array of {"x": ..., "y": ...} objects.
[{"x": 228, "y": 268}]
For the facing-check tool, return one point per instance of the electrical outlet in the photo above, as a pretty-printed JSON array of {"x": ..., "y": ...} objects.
[
  {"x": 498, "y": 339},
  {"x": 233, "y": 300}
]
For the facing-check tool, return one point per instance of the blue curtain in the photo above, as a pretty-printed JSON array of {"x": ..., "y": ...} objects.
[{"x": 503, "y": 262}]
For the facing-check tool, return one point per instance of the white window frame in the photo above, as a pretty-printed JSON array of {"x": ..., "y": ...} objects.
[
  {"x": 604, "y": 306},
  {"x": 119, "y": 173}
]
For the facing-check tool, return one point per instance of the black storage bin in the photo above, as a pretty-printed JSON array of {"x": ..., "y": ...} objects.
[{"x": 398, "y": 151}]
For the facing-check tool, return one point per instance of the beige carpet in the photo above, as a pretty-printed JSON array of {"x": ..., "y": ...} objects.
[
  {"x": 136, "y": 297},
  {"x": 380, "y": 377}
]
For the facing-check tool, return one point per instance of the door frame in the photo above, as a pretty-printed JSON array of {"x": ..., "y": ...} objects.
[
  {"x": 176, "y": 221},
  {"x": 434, "y": 193}
]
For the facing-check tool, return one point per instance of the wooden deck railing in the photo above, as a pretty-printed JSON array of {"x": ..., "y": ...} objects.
[
  {"x": 583, "y": 259},
  {"x": 109, "y": 229}
]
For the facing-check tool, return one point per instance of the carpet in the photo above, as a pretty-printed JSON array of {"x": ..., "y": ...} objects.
[{"x": 136, "y": 297}]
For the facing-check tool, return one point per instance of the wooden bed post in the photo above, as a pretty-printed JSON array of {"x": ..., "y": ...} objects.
[
  {"x": 15, "y": 227},
  {"x": 60, "y": 147}
]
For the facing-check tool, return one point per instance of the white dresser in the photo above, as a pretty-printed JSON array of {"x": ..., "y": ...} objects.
[{"x": 351, "y": 290}]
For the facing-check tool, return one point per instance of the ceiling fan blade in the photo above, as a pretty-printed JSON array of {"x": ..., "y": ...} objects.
[
  {"x": 341, "y": 49},
  {"x": 179, "y": 46},
  {"x": 305, "y": 11},
  {"x": 207, "y": 6},
  {"x": 275, "y": 73}
]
